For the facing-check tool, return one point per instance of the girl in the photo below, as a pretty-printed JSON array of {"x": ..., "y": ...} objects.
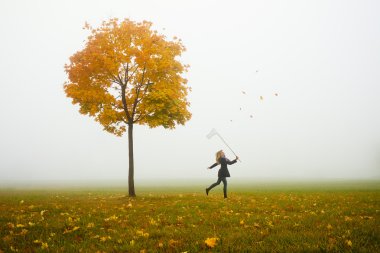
[{"x": 223, "y": 172}]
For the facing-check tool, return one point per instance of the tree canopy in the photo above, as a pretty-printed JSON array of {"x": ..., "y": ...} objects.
[{"x": 128, "y": 73}]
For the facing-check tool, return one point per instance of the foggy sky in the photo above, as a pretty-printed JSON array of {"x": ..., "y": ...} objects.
[{"x": 321, "y": 57}]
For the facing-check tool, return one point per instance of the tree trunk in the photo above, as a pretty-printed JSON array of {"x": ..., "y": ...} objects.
[{"x": 131, "y": 182}]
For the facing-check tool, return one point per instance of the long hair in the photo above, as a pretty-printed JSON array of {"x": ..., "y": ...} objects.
[{"x": 218, "y": 156}]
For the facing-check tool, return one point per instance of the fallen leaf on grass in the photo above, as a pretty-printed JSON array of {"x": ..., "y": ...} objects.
[
  {"x": 173, "y": 243},
  {"x": 67, "y": 230},
  {"x": 111, "y": 218},
  {"x": 105, "y": 238},
  {"x": 349, "y": 243},
  {"x": 211, "y": 242},
  {"x": 142, "y": 234},
  {"x": 44, "y": 245},
  {"x": 346, "y": 218},
  {"x": 10, "y": 225}
]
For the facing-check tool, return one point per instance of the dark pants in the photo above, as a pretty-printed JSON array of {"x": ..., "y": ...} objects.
[{"x": 220, "y": 179}]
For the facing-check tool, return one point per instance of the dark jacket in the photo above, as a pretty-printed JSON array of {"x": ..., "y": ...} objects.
[{"x": 223, "y": 171}]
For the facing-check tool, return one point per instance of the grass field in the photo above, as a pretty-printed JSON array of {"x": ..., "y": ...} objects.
[{"x": 319, "y": 217}]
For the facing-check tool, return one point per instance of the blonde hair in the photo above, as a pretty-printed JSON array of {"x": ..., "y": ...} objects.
[{"x": 218, "y": 155}]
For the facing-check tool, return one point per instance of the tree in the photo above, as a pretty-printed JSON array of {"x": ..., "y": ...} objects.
[{"x": 129, "y": 74}]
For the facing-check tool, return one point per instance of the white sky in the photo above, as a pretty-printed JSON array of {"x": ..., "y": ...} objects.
[{"x": 321, "y": 57}]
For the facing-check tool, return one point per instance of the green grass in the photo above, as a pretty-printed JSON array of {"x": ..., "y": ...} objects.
[{"x": 281, "y": 217}]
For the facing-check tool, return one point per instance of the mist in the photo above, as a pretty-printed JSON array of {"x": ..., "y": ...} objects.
[{"x": 321, "y": 58}]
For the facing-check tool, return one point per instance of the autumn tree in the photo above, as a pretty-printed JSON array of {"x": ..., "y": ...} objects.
[{"x": 127, "y": 74}]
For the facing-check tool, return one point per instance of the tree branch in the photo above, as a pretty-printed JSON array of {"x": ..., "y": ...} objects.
[
  {"x": 125, "y": 106},
  {"x": 138, "y": 88}
]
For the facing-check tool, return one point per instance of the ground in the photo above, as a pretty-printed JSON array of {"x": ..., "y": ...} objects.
[{"x": 271, "y": 218}]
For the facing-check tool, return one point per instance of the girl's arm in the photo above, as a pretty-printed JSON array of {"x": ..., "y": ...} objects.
[
  {"x": 212, "y": 166},
  {"x": 232, "y": 162}
]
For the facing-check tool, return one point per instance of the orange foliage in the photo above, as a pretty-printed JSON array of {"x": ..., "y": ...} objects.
[{"x": 128, "y": 73}]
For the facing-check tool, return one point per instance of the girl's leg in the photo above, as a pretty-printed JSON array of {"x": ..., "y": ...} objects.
[
  {"x": 213, "y": 185},
  {"x": 224, "y": 187}
]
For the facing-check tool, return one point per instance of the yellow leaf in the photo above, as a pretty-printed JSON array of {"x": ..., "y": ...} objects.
[
  {"x": 211, "y": 242},
  {"x": 346, "y": 218},
  {"x": 44, "y": 245}
]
